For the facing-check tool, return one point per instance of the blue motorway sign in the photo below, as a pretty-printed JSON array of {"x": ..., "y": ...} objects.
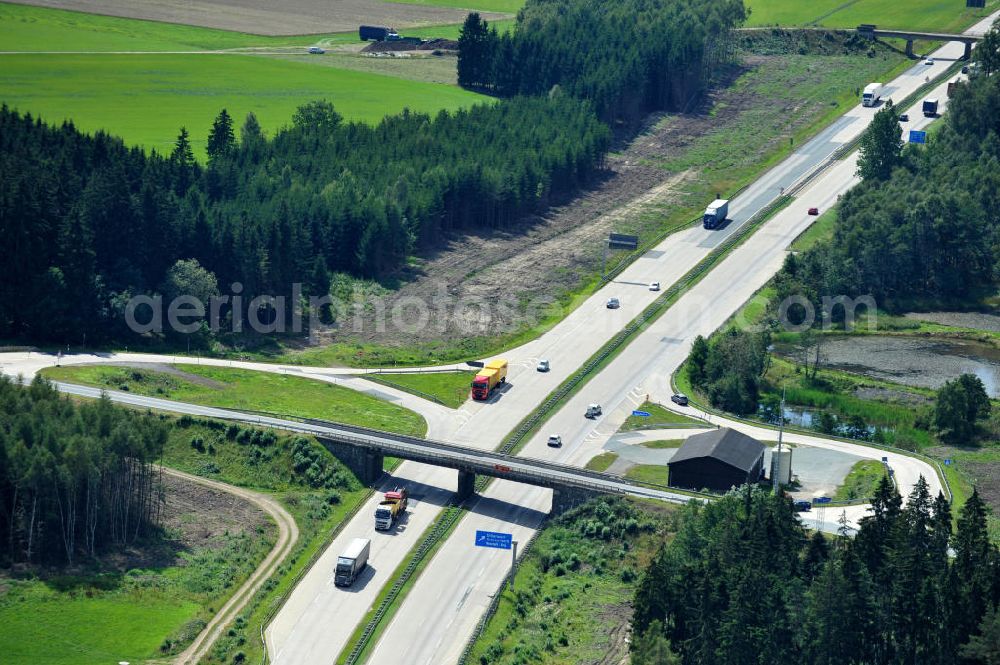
[
  {"x": 947, "y": 462},
  {"x": 641, "y": 414},
  {"x": 917, "y": 136},
  {"x": 495, "y": 539}
]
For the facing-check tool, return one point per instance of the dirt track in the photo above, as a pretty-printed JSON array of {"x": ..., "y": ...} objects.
[
  {"x": 266, "y": 17},
  {"x": 288, "y": 535}
]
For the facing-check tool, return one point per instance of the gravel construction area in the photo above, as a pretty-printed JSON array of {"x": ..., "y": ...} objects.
[
  {"x": 266, "y": 17},
  {"x": 975, "y": 320},
  {"x": 924, "y": 362}
]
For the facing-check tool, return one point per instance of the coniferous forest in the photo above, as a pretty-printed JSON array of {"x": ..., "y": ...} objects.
[
  {"x": 89, "y": 223},
  {"x": 924, "y": 224},
  {"x": 75, "y": 480},
  {"x": 742, "y": 582},
  {"x": 627, "y": 57}
]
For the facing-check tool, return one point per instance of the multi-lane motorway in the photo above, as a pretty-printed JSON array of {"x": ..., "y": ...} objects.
[
  {"x": 443, "y": 607},
  {"x": 440, "y": 612}
]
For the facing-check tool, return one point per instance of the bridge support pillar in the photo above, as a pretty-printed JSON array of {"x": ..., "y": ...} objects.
[
  {"x": 564, "y": 499},
  {"x": 968, "y": 51},
  {"x": 466, "y": 485},
  {"x": 909, "y": 48},
  {"x": 364, "y": 463}
]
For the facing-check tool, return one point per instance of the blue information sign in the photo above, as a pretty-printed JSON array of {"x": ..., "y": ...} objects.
[
  {"x": 641, "y": 414},
  {"x": 495, "y": 539},
  {"x": 947, "y": 462},
  {"x": 917, "y": 136}
]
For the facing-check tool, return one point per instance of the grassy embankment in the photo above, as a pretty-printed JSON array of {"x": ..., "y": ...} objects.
[
  {"x": 100, "y": 612},
  {"x": 146, "y": 98},
  {"x": 658, "y": 416},
  {"x": 319, "y": 492},
  {"x": 448, "y": 388},
  {"x": 230, "y": 388},
  {"x": 861, "y": 481},
  {"x": 572, "y": 597}
]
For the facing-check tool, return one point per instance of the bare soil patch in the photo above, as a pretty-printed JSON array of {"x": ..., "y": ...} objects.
[
  {"x": 616, "y": 619},
  {"x": 180, "y": 374},
  {"x": 196, "y": 516},
  {"x": 266, "y": 17}
]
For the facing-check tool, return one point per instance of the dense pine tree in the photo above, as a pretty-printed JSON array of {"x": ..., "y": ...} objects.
[
  {"x": 91, "y": 222},
  {"x": 625, "y": 57},
  {"x": 741, "y": 584}
]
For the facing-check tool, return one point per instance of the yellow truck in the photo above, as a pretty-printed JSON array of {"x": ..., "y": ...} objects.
[{"x": 489, "y": 377}]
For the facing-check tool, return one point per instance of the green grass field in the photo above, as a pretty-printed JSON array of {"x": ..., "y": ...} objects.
[
  {"x": 662, "y": 444},
  {"x": 928, "y": 15},
  {"x": 574, "y": 587},
  {"x": 145, "y": 99},
  {"x": 256, "y": 391},
  {"x": 648, "y": 473},
  {"x": 448, "y": 388},
  {"x": 860, "y": 483},
  {"x": 658, "y": 415},
  {"x": 602, "y": 461},
  {"x": 104, "y": 615},
  {"x": 27, "y": 28},
  {"x": 821, "y": 229},
  {"x": 45, "y": 627}
]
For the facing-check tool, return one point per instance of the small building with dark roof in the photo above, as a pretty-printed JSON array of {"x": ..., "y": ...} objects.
[{"x": 717, "y": 460}]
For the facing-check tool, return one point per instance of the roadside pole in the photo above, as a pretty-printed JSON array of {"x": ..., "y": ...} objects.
[{"x": 513, "y": 564}]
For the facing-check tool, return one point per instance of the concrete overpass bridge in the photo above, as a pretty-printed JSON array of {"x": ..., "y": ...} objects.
[
  {"x": 363, "y": 451},
  {"x": 873, "y": 32}
]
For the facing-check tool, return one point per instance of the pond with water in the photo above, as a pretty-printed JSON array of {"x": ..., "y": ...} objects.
[{"x": 923, "y": 362}]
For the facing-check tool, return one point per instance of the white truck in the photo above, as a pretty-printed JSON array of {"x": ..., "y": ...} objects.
[
  {"x": 872, "y": 94},
  {"x": 352, "y": 562},
  {"x": 715, "y": 213}
]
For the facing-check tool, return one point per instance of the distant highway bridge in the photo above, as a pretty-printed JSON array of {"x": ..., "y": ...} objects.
[
  {"x": 872, "y": 32},
  {"x": 363, "y": 451}
]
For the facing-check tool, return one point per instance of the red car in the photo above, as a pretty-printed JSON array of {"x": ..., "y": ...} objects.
[{"x": 813, "y": 211}]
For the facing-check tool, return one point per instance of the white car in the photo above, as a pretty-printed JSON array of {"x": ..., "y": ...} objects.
[
  {"x": 614, "y": 303},
  {"x": 316, "y": 50},
  {"x": 543, "y": 366},
  {"x": 654, "y": 286},
  {"x": 555, "y": 441},
  {"x": 929, "y": 61}
]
